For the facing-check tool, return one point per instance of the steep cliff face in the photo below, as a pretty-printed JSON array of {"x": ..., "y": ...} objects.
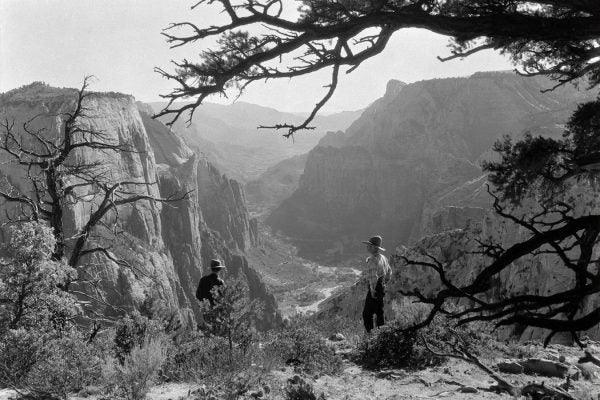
[
  {"x": 221, "y": 199},
  {"x": 224, "y": 204},
  {"x": 168, "y": 245},
  {"x": 410, "y": 148}
]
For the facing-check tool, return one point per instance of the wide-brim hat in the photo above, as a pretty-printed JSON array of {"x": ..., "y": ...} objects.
[
  {"x": 216, "y": 264},
  {"x": 375, "y": 241}
]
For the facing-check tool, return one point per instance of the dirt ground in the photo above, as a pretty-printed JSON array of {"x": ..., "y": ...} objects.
[{"x": 441, "y": 382}]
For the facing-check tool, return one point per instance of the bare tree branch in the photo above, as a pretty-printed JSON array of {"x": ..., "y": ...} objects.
[{"x": 553, "y": 38}]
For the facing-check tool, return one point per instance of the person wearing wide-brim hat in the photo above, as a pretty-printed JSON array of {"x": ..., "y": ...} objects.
[
  {"x": 376, "y": 276},
  {"x": 210, "y": 281}
]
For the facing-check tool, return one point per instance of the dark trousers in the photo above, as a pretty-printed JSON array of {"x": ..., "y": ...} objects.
[{"x": 373, "y": 305}]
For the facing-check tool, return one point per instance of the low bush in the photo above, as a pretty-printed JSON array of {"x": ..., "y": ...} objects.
[
  {"x": 198, "y": 358},
  {"x": 302, "y": 391},
  {"x": 132, "y": 331},
  {"x": 392, "y": 346},
  {"x": 65, "y": 365},
  {"x": 132, "y": 378},
  {"x": 18, "y": 355},
  {"x": 304, "y": 347},
  {"x": 48, "y": 364}
]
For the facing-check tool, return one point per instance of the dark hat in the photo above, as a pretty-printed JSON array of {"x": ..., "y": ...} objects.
[
  {"x": 216, "y": 264},
  {"x": 375, "y": 241}
]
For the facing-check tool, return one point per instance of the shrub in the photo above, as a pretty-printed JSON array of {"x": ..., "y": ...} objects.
[
  {"x": 18, "y": 355},
  {"x": 65, "y": 365},
  {"x": 233, "y": 315},
  {"x": 30, "y": 281},
  {"x": 390, "y": 346},
  {"x": 200, "y": 358},
  {"x": 302, "y": 391},
  {"x": 393, "y": 346},
  {"x": 48, "y": 364},
  {"x": 206, "y": 360},
  {"x": 305, "y": 347},
  {"x": 133, "y": 330},
  {"x": 132, "y": 378}
]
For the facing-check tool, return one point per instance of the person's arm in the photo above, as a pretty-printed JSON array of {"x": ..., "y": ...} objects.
[
  {"x": 388, "y": 270},
  {"x": 364, "y": 279}
]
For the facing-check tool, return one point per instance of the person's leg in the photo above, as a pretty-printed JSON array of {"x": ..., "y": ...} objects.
[
  {"x": 378, "y": 302},
  {"x": 368, "y": 313},
  {"x": 379, "y": 311}
]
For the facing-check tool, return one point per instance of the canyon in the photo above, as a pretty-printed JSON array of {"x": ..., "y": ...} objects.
[
  {"x": 408, "y": 168},
  {"x": 169, "y": 244},
  {"x": 412, "y": 154},
  {"x": 230, "y": 137}
]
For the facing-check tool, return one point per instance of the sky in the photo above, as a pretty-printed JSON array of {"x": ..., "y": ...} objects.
[{"x": 119, "y": 42}]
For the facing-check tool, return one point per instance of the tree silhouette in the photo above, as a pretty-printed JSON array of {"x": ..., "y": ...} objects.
[
  {"x": 559, "y": 225},
  {"x": 556, "y": 38}
]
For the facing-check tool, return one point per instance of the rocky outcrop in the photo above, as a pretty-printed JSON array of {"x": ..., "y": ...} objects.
[
  {"x": 416, "y": 146},
  {"x": 168, "y": 245}
]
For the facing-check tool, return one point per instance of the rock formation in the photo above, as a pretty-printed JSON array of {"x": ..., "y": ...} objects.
[
  {"x": 411, "y": 149},
  {"x": 170, "y": 245}
]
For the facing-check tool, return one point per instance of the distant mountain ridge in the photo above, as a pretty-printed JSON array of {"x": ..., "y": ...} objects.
[
  {"x": 228, "y": 135},
  {"x": 411, "y": 147}
]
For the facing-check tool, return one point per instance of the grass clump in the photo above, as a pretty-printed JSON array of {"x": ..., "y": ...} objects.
[{"x": 132, "y": 378}]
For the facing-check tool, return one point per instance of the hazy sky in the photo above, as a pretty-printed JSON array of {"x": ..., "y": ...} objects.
[{"x": 119, "y": 42}]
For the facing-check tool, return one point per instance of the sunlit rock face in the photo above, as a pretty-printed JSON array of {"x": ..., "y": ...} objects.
[
  {"x": 168, "y": 244},
  {"x": 390, "y": 171}
]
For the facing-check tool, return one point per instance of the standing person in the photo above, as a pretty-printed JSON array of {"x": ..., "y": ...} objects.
[
  {"x": 208, "y": 282},
  {"x": 377, "y": 275}
]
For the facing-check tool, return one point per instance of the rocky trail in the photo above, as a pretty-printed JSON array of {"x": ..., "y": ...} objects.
[
  {"x": 457, "y": 379},
  {"x": 454, "y": 380}
]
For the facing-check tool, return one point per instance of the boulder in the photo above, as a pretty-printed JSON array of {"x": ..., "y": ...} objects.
[
  {"x": 589, "y": 372},
  {"x": 510, "y": 367},
  {"x": 468, "y": 389},
  {"x": 543, "y": 367},
  {"x": 337, "y": 337}
]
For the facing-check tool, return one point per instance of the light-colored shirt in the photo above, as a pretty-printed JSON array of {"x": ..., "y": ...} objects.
[{"x": 377, "y": 267}]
